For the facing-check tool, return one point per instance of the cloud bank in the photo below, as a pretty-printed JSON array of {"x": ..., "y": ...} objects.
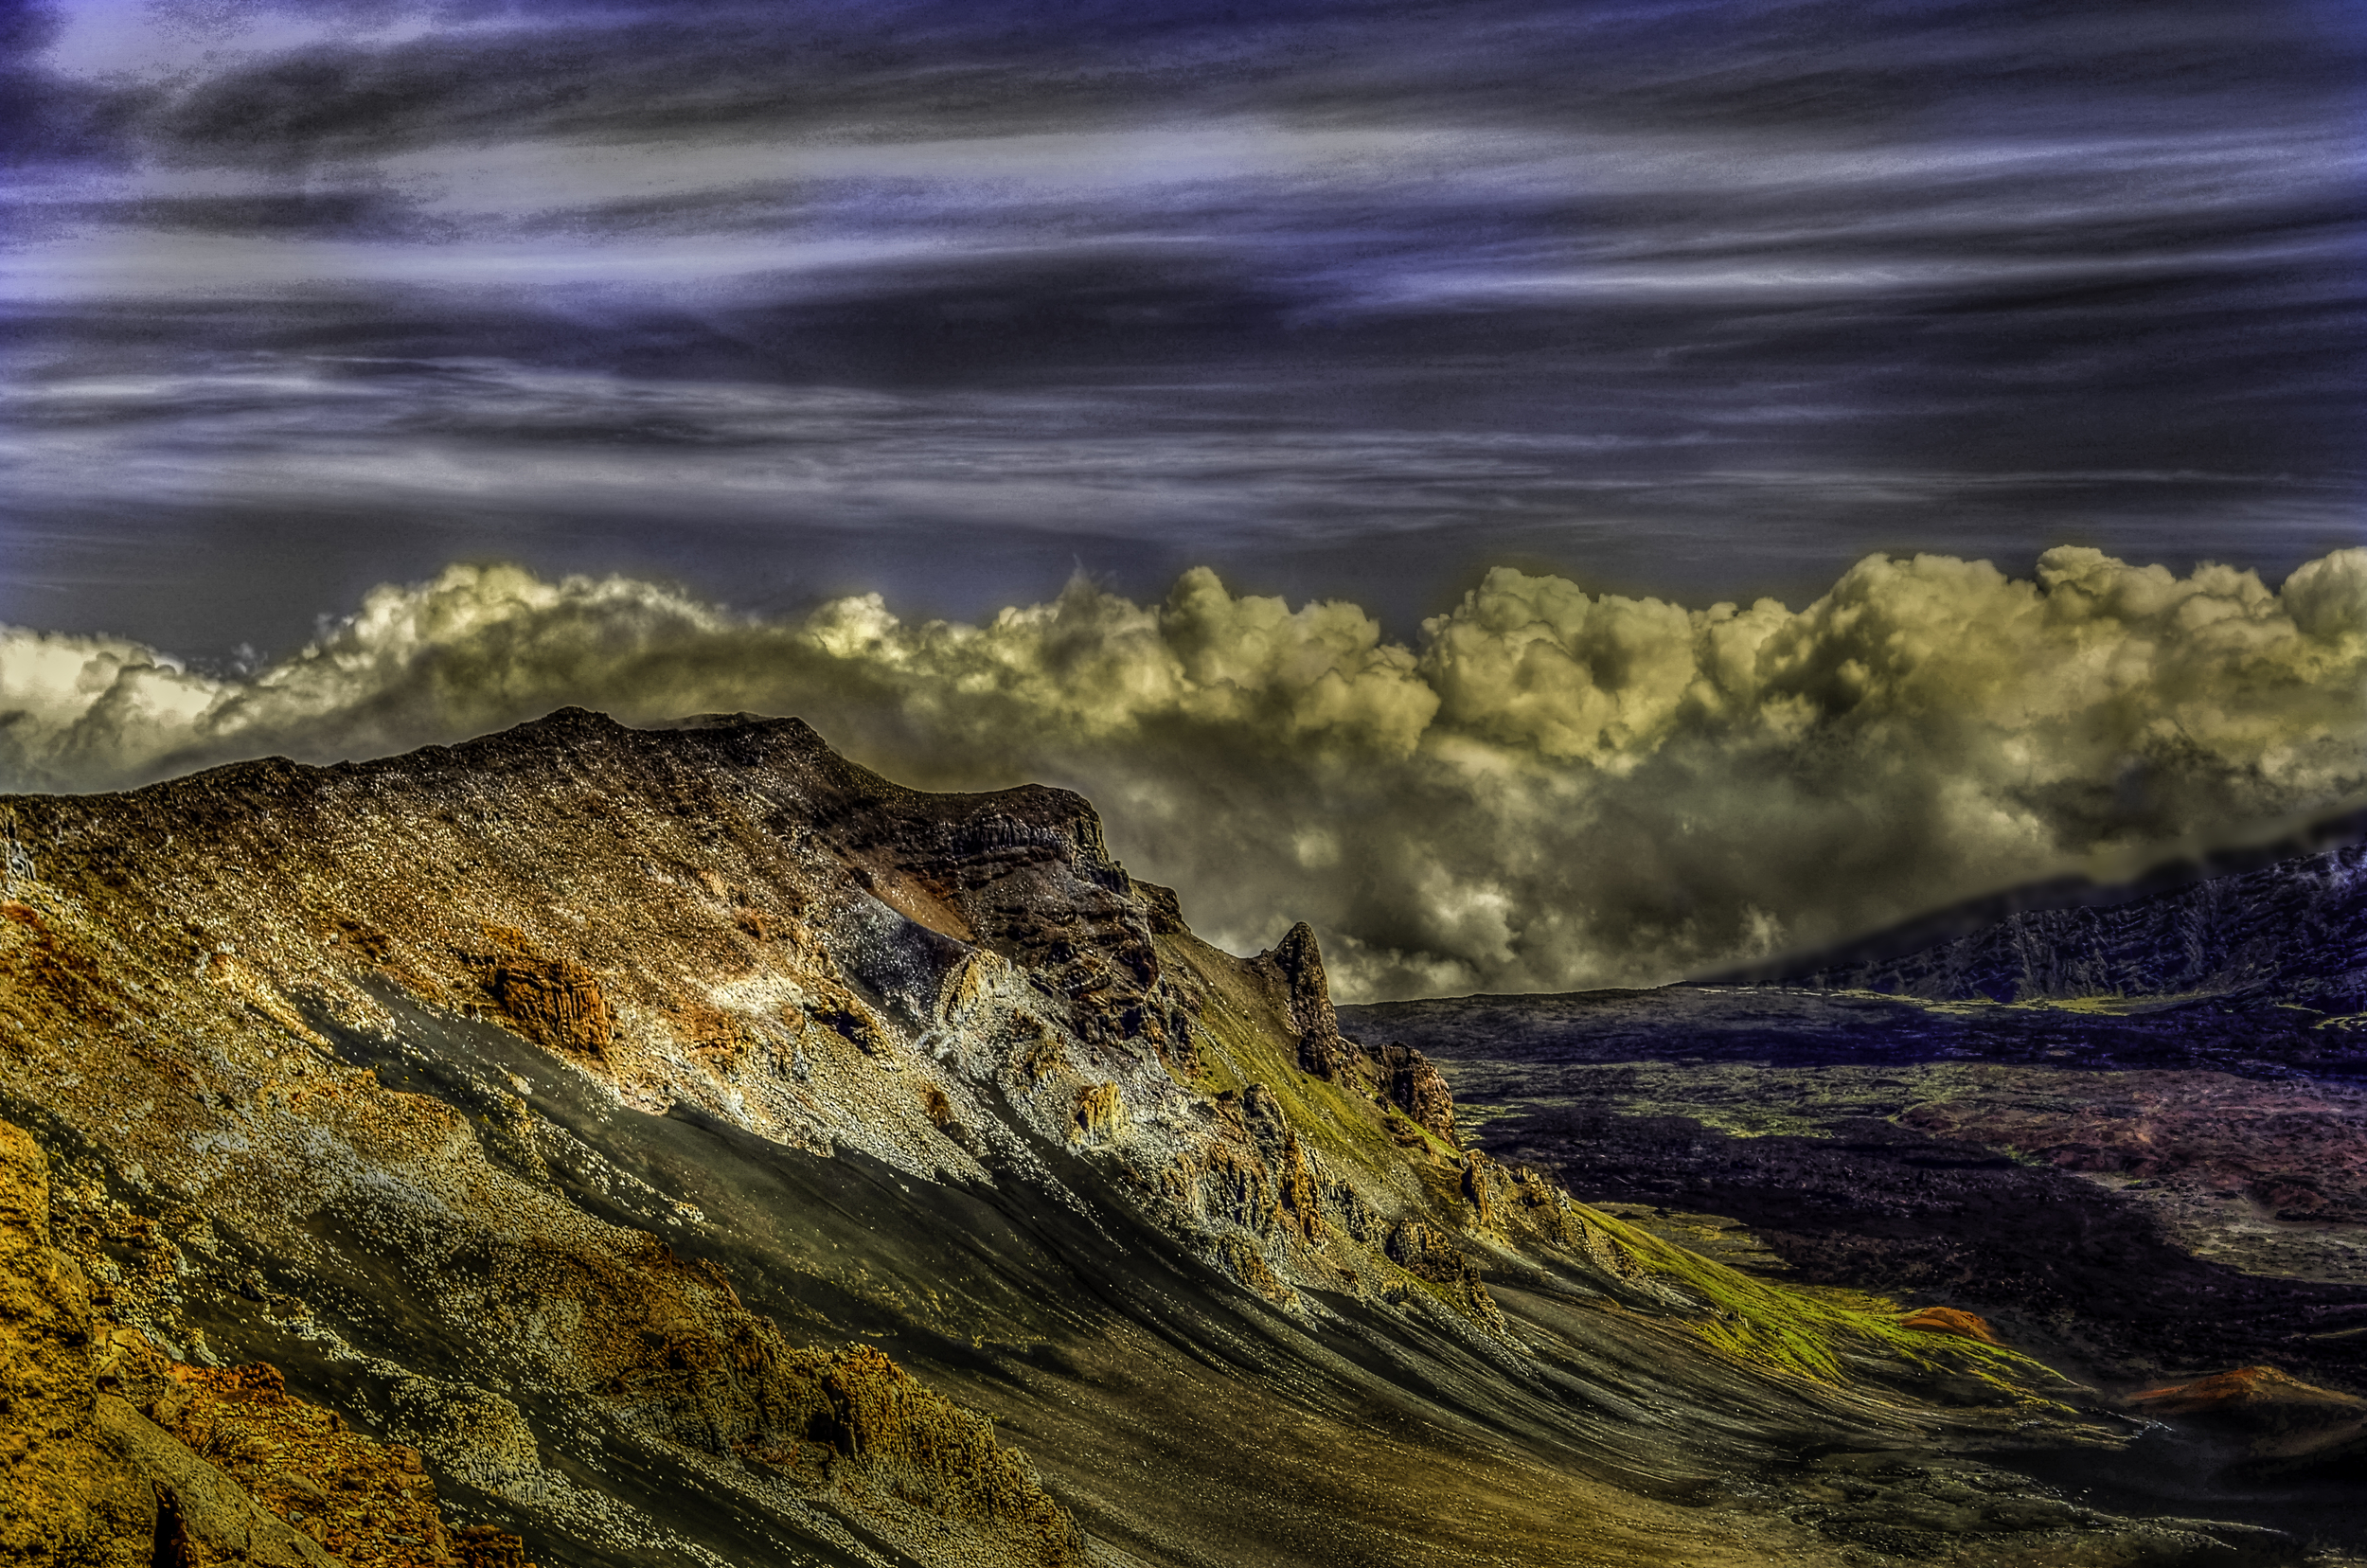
[{"x": 1548, "y": 789}]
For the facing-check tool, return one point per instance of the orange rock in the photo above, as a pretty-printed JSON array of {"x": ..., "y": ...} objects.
[
  {"x": 557, "y": 1003},
  {"x": 364, "y": 1500},
  {"x": 2246, "y": 1388},
  {"x": 1100, "y": 1111},
  {"x": 1299, "y": 1193},
  {"x": 1949, "y": 1320}
]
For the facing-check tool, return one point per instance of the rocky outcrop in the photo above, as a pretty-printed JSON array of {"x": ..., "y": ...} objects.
[
  {"x": 2285, "y": 932},
  {"x": 1421, "y": 1251},
  {"x": 1166, "y": 911},
  {"x": 1241, "y": 1258},
  {"x": 928, "y": 1453},
  {"x": 1300, "y": 1193},
  {"x": 1300, "y": 962},
  {"x": 363, "y": 1500},
  {"x": 1407, "y": 1081},
  {"x": 1425, "y": 1253},
  {"x": 556, "y": 1002},
  {"x": 204, "y": 1516},
  {"x": 1400, "y": 1075},
  {"x": 1485, "y": 1187},
  {"x": 1100, "y": 1111},
  {"x": 478, "y": 1436}
]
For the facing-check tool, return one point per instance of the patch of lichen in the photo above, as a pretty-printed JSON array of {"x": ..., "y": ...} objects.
[
  {"x": 924, "y": 1450},
  {"x": 1247, "y": 1040},
  {"x": 1813, "y": 1333}
]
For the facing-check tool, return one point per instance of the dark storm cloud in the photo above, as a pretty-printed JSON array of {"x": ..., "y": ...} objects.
[{"x": 959, "y": 68}]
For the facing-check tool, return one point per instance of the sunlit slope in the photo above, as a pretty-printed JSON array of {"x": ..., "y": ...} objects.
[{"x": 754, "y": 1130}]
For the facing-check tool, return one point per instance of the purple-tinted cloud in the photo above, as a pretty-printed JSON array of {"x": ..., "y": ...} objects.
[{"x": 1706, "y": 297}]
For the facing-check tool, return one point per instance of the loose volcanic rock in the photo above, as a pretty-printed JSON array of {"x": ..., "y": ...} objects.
[
  {"x": 473, "y": 1434},
  {"x": 204, "y": 1516},
  {"x": 1414, "y": 1086},
  {"x": 223, "y": 1465}
]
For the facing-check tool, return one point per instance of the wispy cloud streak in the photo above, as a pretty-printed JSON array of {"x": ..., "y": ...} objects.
[{"x": 1708, "y": 297}]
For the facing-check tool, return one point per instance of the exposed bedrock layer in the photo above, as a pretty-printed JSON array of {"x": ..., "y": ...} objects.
[{"x": 685, "y": 1144}]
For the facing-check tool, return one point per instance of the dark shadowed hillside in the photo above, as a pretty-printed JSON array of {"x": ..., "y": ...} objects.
[
  {"x": 2129, "y": 1129},
  {"x": 2281, "y": 923}
]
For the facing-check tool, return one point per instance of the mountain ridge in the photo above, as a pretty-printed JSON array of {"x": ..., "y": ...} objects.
[
  {"x": 2061, "y": 908},
  {"x": 2287, "y": 934},
  {"x": 557, "y": 1085}
]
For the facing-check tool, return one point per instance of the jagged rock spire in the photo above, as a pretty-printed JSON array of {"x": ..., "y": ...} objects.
[{"x": 1322, "y": 1051}]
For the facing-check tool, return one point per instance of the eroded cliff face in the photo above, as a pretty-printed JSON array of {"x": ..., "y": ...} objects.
[{"x": 689, "y": 1145}]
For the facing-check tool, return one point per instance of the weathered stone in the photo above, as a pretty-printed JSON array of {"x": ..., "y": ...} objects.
[
  {"x": 1301, "y": 1197},
  {"x": 205, "y": 1515},
  {"x": 61, "y": 1493},
  {"x": 476, "y": 1434},
  {"x": 1421, "y": 1251},
  {"x": 557, "y": 1003},
  {"x": 1321, "y": 1050},
  {"x": 1426, "y": 1254},
  {"x": 1100, "y": 1113},
  {"x": 1481, "y": 1177},
  {"x": 1408, "y": 1082},
  {"x": 300, "y": 1172}
]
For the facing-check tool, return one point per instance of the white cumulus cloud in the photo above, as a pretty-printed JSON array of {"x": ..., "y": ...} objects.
[{"x": 1548, "y": 789}]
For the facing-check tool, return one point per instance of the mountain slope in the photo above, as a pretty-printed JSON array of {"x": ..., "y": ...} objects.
[
  {"x": 700, "y": 1149},
  {"x": 2292, "y": 931}
]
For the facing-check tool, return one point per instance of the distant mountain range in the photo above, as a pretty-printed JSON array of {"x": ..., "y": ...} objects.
[{"x": 2277, "y": 925}]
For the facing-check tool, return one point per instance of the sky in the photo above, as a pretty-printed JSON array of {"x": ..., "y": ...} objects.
[{"x": 724, "y": 323}]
